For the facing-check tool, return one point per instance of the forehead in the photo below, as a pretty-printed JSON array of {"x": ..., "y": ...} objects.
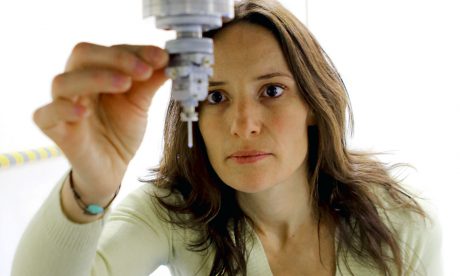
[{"x": 246, "y": 47}]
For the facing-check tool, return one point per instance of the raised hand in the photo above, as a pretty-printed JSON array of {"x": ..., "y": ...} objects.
[{"x": 98, "y": 114}]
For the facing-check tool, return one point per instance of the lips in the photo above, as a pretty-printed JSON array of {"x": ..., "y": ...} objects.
[
  {"x": 251, "y": 156},
  {"x": 248, "y": 153}
]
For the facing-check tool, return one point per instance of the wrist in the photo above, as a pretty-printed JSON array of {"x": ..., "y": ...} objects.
[{"x": 91, "y": 205}]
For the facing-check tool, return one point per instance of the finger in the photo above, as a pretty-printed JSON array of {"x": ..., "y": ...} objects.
[
  {"x": 58, "y": 111},
  {"x": 89, "y": 81},
  {"x": 86, "y": 55},
  {"x": 145, "y": 91},
  {"x": 155, "y": 56}
]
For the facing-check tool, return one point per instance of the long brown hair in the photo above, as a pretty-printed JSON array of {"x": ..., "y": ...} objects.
[{"x": 343, "y": 182}]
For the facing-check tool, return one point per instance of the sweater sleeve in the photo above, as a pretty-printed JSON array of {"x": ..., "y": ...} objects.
[
  {"x": 131, "y": 240},
  {"x": 135, "y": 240}
]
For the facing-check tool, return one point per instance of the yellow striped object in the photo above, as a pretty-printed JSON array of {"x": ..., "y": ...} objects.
[{"x": 23, "y": 157}]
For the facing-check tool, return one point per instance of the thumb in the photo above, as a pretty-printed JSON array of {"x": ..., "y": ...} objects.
[{"x": 142, "y": 92}]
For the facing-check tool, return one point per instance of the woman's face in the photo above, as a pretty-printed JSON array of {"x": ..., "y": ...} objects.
[{"x": 254, "y": 122}]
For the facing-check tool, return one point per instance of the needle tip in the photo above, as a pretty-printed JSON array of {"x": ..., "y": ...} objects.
[{"x": 190, "y": 136}]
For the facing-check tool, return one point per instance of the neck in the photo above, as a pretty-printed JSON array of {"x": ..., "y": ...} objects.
[{"x": 280, "y": 211}]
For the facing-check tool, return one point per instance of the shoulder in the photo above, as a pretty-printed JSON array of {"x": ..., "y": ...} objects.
[
  {"x": 419, "y": 235},
  {"x": 404, "y": 219}
]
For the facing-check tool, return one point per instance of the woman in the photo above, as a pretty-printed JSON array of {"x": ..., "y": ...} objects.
[{"x": 269, "y": 188}]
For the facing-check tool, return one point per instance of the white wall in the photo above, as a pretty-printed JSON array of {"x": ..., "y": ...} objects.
[{"x": 399, "y": 60}]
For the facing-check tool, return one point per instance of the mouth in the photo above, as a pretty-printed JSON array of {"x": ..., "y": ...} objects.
[{"x": 246, "y": 157}]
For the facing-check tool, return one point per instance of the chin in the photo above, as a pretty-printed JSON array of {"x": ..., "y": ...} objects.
[{"x": 250, "y": 186}]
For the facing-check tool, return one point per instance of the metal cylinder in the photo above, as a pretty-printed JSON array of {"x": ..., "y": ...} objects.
[
  {"x": 191, "y": 55},
  {"x": 161, "y": 8}
]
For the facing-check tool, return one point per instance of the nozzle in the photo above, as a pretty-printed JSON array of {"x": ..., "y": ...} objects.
[
  {"x": 190, "y": 134},
  {"x": 189, "y": 115}
]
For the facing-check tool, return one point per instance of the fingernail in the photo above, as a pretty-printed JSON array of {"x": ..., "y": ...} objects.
[
  {"x": 159, "y": 57},
  {"x": 121, "y": 81},
  {"x": 80, "y": 110},
  {"x": 143, "y": 70},
  {"x": 163, "y": 58}
]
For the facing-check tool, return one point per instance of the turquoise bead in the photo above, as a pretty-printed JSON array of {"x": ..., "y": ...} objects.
[{"x": 94, "y": 209}]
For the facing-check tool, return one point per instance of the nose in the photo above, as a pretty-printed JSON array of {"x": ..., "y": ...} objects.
[{"x": 245, "y": 120}]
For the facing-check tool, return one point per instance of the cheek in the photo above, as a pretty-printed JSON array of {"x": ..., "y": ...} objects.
[
  {"x": 291, "y": 125},
  {"x": 279, "y": 125}
]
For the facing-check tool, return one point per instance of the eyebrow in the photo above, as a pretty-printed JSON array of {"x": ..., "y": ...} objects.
[{"x": 263, "y": 77}]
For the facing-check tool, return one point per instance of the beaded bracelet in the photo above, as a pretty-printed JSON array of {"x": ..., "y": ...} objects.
[{"x": 89, "y": 209}]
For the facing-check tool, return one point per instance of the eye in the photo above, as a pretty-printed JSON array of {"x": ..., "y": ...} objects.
[
  {"x": 215, "y": 97},
  {"x": 273, "y": 91}
]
